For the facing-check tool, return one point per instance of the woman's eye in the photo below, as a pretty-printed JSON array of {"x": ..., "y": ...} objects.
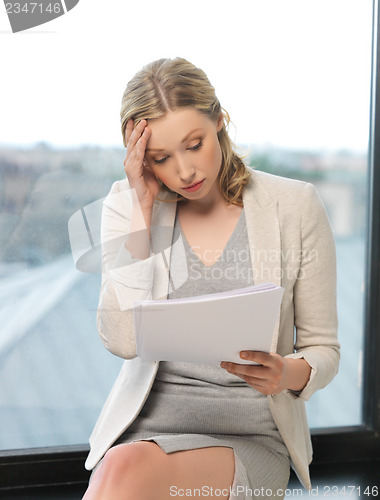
[
  {"x": 197, "y": 146},
  {"x": 160, "y": 161},
  {"x": 193, "y": 148}
]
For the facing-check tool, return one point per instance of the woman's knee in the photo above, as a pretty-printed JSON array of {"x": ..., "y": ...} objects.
[
  {"x": 127, "y": 471},
  {"x": 133, "y": 466},
  {"x": 124, "y": 460}
]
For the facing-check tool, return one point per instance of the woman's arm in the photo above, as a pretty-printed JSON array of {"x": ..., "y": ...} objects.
[
  {"x": 314, "y": 296},
  {"x": 127, "y": 264},
  {"x": 125, "y": 277},
  {"x": 316, "y": 359}
]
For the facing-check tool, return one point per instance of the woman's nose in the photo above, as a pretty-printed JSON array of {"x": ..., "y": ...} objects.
[{"x": 186, "y": 170}]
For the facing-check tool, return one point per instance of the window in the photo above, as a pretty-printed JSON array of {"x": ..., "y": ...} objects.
[{"x": 306, "y": 93}]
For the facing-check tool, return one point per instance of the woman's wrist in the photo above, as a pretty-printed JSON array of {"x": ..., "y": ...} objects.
[
  {"x": 297, "y": 373},
  {"x": 138, "y": 238}
]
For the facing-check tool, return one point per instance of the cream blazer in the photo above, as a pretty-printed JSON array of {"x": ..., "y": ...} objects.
[{"x": 291, "y": 244}]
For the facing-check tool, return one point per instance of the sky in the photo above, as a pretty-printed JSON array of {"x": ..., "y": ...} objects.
[{"x": 291, "y": 73}]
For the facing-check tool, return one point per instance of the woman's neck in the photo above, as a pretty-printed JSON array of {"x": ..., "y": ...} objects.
[{"x": 212, "y": 203}]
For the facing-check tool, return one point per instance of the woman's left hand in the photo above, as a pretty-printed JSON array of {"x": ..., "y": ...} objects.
[{"x": 269, "y": 378}]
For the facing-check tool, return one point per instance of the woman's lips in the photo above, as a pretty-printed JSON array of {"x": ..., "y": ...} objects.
[{"x": 194, "y": 187}]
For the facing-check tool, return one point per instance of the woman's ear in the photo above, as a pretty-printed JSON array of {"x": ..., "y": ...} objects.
[{"x": 220, "y": 122}]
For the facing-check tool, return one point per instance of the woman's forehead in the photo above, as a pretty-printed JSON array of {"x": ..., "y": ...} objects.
[{"x": 176, "y": 127}]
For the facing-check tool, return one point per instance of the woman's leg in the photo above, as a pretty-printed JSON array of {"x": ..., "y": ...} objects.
[{"x": 142, "y": 471}]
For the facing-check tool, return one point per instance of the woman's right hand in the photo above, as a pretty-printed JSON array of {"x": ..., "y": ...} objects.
[{"x": 139, "y": 173}]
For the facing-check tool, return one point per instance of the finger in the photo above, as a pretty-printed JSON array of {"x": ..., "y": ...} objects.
[
  {"x": 255, "y": 371},
  {"x": 136, "y": 134},
  {"x": 259, "y": 357},
  {"x": 142, "y": 142},
  {"x": 145, "y": 135},
  {"x": 255, "y": 383},
  {"x": 136, "y": 145}
]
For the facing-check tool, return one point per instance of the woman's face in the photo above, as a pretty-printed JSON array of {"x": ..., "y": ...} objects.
[{"x": 183, "y": 150}]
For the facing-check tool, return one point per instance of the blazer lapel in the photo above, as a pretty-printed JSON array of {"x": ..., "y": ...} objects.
[
  {"x": 163, "y": 217},
  {"x": 264, "y": 237}
]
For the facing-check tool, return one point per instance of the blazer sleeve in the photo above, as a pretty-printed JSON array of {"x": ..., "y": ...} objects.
[
  {"x": 314, "y": 295},
  {"x": 124, "y": 278}
]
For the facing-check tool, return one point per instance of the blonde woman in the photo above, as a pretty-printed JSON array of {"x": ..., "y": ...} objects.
[{"x": 223, "y": 430}]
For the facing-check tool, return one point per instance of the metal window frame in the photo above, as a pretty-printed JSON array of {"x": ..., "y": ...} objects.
[{"x": 65, "y": 464}]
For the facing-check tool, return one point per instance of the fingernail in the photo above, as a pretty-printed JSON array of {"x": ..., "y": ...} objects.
[{"x": 243, "y": 355}]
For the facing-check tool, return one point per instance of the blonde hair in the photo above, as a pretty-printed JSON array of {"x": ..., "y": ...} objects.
[{"x": 170, "y": 84}]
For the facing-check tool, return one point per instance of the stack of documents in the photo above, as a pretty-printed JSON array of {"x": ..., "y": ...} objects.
[{"x": 208, "y": 328}]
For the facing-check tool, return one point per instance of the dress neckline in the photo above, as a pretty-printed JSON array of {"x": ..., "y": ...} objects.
[{"x": 235, "y": 233}]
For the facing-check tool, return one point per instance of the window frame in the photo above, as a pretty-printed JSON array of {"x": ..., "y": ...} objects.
[{"x": 65, "y": 464}]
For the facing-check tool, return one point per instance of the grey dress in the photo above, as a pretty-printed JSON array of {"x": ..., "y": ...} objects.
[{"x": 194, "y": 405}]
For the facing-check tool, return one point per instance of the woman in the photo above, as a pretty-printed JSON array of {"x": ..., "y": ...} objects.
[{"x": 217, "y": 430}]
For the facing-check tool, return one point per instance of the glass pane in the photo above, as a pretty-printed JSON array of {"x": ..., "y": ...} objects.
[
  {"x": 295, "y": 78},
  {"x": 341, "y": 180},
  {"x": 54, "y": 369}
]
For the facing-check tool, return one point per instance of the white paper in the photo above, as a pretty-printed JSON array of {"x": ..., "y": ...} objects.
[{"x": 208, "y": 328}]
